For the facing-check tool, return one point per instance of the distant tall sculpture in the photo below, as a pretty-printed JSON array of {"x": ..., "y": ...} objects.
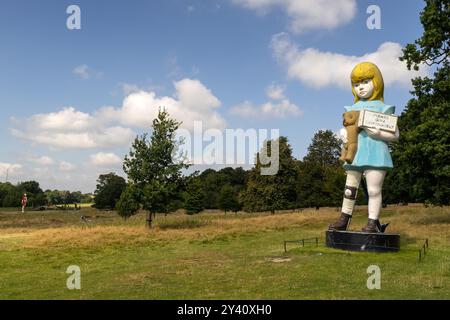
[
  {"x": 24, "y": 202},
  {"x": 369, "y": 126}
]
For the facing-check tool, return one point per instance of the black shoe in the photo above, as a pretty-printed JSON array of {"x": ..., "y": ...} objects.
[
  {"x": 342, "y": 224},
  {"x": 373, "y": 226}
]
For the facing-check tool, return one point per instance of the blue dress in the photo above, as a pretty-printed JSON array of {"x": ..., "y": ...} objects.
[{"x": 371, "y": 153}]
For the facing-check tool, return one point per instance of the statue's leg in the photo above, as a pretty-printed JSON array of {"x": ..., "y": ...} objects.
[
  {"x": 351, "y": 191},
  {"x": 375, "y": 179},
  {"x": 348, "y": 204}
]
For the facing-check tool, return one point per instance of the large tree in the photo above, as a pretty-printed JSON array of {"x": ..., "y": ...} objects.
[
  {"x": 325, "y": 149},
  {"x": 194, "y": 196},
  {"x": 228, "y": 199},
  {"x": 109, "y": 188},
  {"x": 153, "y": 169},
  {"x": 128, "y": 205},
  {"x": 320, "y": 173},
  {"x": 422, "y": 155},
  {"x": 10, "y": 195},
  {"x": 35, "y": 195},
  {"x": 275, "y": 191},
  {"x": 213, "y": 182}
]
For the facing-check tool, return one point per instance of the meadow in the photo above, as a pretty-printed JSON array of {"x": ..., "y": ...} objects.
[{"x": 213, "y": 255}]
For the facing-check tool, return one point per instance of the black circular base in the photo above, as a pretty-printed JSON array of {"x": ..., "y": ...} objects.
[{"x": 363, "y": 241}]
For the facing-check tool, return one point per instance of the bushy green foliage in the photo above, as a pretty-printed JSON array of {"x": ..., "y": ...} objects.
[
  {"x": 422, "y": 155},
  {"x": 10, "y": 195},
  {"x": 321, "y": 177},
  {"x": 109, "y": 189},
  {"x": 128, "y": 205},
  {"x": 228, "y": 199},
  {"x": 152, "y": 168},
  {"x": 34, "y": 193},
  {"x": 213, "y": 182},
  {"x": 58, "y": 197},
  {"x": 194, "y": 196},
  {"x": 272, "y": 192}
]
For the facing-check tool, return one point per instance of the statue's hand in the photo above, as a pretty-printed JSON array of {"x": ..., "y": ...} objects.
[
  {"x": 383, "y": 135},
  {"x": 373, "y": 132}
]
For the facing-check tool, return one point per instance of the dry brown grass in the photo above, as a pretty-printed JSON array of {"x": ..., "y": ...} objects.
[{"x": 409, "y": 221}]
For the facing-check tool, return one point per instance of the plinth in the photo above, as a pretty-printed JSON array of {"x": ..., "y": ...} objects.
[{"x": 363, "y": 241}]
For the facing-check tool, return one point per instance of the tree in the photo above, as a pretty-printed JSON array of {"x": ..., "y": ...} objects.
[
  {"x": 320, "y": 172},
  {"x": 109, "y": 189},
  {"x": 72, "y": 198},
  {"x": 271, "y": 192},
  {"x": 311, "y": 185},
  {"x": 211, "y": 185},
  {"x": 228, "y": 199},
  {"x": 433, "y": 48},
  {"x": 127, "y": 205},
  {"x": 325, "y": 149},
  {"x": 152, "y": 168},
  {"x": 194, "y": 196},
  {"x": 213, "y": 181},
  {"x": 422, "y": 155},
  {"x": 54, "y": 197},
  {"x": 10, "y": 195},
  {"x": 35, "y": 194},
  {"x": 334, "y": 186}
]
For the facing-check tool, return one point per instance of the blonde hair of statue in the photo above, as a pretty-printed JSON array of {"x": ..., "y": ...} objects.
[{"x": 368, "y": 71}]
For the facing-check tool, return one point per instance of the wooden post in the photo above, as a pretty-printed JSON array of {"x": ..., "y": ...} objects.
[{"x": 149, "y": 220}]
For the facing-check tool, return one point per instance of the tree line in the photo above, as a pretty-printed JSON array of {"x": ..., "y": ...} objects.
[{"x": 11, "y": 195}]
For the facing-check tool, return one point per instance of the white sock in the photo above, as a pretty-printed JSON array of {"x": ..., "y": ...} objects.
[{"x": 375, "y": 180}]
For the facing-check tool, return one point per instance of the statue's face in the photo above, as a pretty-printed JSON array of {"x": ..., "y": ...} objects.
[{"x": 364, "y": 89}]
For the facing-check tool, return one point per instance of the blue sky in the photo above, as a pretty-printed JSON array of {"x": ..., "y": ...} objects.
[{"x": 72, "y": 100}]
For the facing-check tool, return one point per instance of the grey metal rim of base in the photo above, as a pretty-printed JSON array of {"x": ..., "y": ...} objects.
[{"x": 362, "y": 241}]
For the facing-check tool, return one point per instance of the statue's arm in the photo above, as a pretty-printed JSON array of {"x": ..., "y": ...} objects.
[{"x": 383, "y": 135}]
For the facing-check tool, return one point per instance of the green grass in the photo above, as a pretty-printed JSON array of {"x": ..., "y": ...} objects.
[{"x": 216, "y": 256}]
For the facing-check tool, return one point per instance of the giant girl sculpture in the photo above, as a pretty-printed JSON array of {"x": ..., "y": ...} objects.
[{"x": 366, "y": 150}]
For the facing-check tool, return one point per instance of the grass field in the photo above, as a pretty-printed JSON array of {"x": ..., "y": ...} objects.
[{"x": 216, "y": 256}]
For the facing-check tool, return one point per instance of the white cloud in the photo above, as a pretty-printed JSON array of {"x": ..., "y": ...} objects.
[
  {"x": 100, "y": 137},
  {"x": 192, "y": 101},
  {"x": 82, "y": 71},
  {"x": 43, "y": 160},
  {"x": 319, "y": 69},
  {"x": 66, "y": 119},
  {"x": 85, "y": 72},
  {"x": 307, "y": 14},
  {"x": 112, "y": 127},
  {"x": 65, "y": 166},
  {"x": 103, "y": 159},
  {"x": 275, "y": 92},
  {"x": 268, "y": 110}
]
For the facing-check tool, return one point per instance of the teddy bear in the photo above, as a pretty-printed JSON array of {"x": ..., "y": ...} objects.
[{"x": 351, "y": 126}]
